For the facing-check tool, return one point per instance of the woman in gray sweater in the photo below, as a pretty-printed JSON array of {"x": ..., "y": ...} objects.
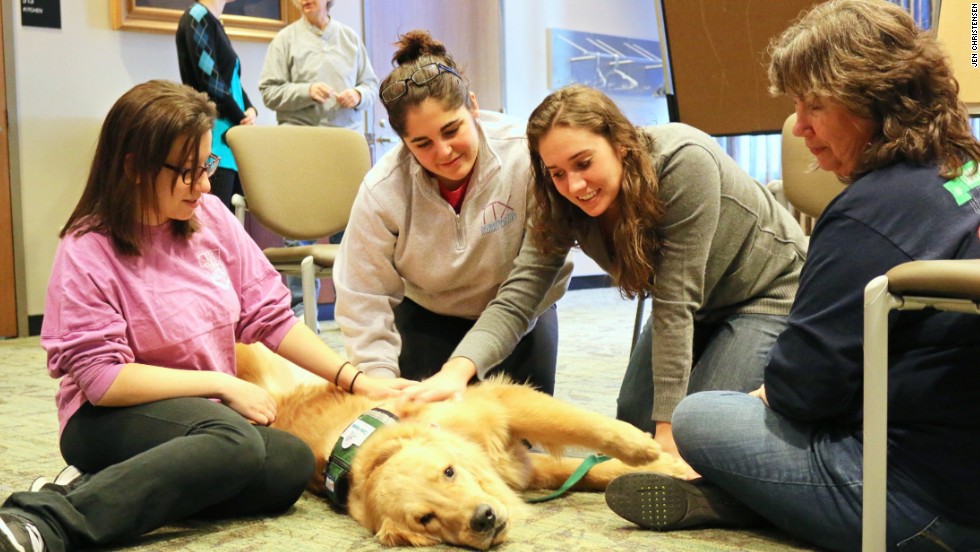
[{"x": 668, "y": 215}]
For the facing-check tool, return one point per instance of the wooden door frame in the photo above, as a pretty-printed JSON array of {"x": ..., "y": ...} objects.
[{"x": 12, "y": 184}]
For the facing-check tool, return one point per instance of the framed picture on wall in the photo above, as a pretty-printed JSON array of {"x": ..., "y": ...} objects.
[{"x": 244, "y": 19}]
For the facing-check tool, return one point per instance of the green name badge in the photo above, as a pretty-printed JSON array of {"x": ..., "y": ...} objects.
[{"x": 961, "y": 186}]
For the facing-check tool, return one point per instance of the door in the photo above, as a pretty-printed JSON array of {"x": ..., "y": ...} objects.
[
  {"x": 470, "y": 30},
  {"x": 8, "y": 295}
]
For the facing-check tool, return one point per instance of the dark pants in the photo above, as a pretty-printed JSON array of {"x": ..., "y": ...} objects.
[
  {"x": 153, "y": 464},
  {"x": 224, "y": 184},
  {"x": 429, "y": 339}
]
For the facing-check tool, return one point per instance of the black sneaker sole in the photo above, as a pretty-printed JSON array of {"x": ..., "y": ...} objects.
[
  {"x": 648, "y": 500},
  {"x": 663, "y": 503}
]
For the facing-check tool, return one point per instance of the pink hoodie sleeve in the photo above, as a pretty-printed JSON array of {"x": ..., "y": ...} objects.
[
  {"x": 83, "y": 334},
  {"x": 266, "y": 316}
]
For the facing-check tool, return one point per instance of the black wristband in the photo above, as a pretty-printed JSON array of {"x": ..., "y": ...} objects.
[
  {"x": 336, "y": 377},
  {"x": 350, "y": 389}
]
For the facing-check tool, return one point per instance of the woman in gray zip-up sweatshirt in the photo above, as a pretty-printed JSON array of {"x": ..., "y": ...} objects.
[
  {"x": 668, "y": 214},
  {"x": 435, "y": 277}
]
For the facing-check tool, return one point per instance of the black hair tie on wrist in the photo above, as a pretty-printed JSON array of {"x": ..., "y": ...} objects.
[
  {"x": 336, "y": 377},
  {"x": 351, "y": 388}
]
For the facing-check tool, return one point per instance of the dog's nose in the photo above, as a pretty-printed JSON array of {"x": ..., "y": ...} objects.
[{"x": 484, "y": 519}]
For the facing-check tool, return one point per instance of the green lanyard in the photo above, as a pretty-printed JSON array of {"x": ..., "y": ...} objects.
[{"x": 577, "y": 475}]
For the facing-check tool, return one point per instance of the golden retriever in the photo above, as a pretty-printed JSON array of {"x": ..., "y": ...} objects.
[{"x": 449, "y": 472}]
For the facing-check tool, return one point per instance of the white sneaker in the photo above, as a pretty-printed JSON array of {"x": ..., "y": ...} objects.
[{"x": 63, "y": 483}]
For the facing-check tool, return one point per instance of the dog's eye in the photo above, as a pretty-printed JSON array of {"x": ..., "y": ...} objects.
[
  {"x": 424, "y": 520},
  {"x": 449, "y": 472}
]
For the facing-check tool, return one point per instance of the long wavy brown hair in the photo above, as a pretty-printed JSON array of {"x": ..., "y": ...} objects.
[
  {"x": 557, "y": 224},
  {"x": 869, "y": 56},
  {"x": 415, "y": 49},
  {"x": 133, "y": 146}
]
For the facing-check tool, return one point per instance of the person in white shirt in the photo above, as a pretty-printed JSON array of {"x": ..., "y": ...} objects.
[{"x": 435, "y": 276}]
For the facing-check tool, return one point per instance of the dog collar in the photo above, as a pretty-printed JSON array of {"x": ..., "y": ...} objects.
[{"x": 335, "y": 474}]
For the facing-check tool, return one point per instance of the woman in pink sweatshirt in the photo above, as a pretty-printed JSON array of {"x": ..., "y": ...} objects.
[{"x": 153, "y": 283}]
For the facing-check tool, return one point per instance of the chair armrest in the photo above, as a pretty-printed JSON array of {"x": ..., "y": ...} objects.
[{"x": 959, "y": 278}]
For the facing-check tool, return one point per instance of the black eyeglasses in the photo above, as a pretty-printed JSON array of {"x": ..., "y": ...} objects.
[
  {"x": 420, "y": 77},
  {"x": 190, "y": 176}
]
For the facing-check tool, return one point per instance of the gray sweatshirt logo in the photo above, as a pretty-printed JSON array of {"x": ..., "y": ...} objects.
[{"x": 497, "y": 215}]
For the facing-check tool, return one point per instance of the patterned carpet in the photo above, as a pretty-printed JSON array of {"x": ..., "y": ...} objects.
[{"x": 596, "y": 326}]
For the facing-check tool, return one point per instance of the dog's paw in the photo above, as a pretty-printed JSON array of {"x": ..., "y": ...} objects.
[
  {"x": 670, "y": 465},
  {"x": 633, "y": 446}
]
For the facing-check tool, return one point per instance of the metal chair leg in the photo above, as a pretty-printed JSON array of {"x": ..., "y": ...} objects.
[
  {"x": 308, "y": 273},
  {"x": 877, "y": 303}
]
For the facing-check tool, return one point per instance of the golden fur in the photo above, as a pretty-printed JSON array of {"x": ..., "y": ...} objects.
[{"x": 449, "y": 472}]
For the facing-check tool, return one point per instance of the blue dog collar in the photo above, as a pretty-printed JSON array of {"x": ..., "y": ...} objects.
[{"x": 335, "y": 474}]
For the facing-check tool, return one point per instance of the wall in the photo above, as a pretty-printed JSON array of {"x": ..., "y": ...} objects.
[
  {"x": 65, "y": 80},
  {"x": 525, "y": 26}
]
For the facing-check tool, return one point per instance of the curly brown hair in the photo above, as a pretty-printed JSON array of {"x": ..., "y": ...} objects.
[
  {"x": 869, "y": 56},
  {"x": 133, "y": 146},
  {"x": 557, "y": 224}
]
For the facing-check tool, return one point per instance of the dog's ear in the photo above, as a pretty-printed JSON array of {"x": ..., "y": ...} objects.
[
  {"x": 369, "y": 458},
  {"x": 385, "y": 443},
  {"x": 374, "y": 454},
  {"x": 390, "y": 535}
]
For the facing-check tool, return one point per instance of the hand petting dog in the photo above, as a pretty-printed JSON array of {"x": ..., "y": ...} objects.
[{"x": 449, "y": 382}]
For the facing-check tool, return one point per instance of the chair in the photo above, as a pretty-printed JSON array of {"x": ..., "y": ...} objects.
[
  {"x": 807, "y": 190},
  {"x": 300, "y": 182},
  {"x": 948, "y": 285}
]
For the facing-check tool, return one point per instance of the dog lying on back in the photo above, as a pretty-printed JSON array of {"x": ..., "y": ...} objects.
[{"x": 449, "y": 472}]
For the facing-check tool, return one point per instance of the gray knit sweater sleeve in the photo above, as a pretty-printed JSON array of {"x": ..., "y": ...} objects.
[
  {"x": 535, "y": 283},
  {"x": 690, "y": 187},
  {"x": 727, "y": 248}
]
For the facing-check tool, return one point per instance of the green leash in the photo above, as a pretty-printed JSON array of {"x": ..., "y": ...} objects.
[{"x": 576, "y": 476}]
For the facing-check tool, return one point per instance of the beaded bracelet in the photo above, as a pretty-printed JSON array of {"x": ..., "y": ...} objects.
[
  {"x": 350, "y": 389},
  {"x": 336, "y": 377}
]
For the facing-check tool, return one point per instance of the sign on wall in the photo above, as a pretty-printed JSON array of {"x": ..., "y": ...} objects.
[
  {"x": 613, "y": 64},
  {"x": 40, "y": 13}
]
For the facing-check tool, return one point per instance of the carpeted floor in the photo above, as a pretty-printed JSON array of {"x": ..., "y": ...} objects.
[{"x": 596, "y": 326}]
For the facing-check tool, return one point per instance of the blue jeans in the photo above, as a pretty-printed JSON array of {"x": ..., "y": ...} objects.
[
  {"x": 804, "y": 478},
  {"x": 152, "y": 464},
  {"x": 728, "y": 355}
]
